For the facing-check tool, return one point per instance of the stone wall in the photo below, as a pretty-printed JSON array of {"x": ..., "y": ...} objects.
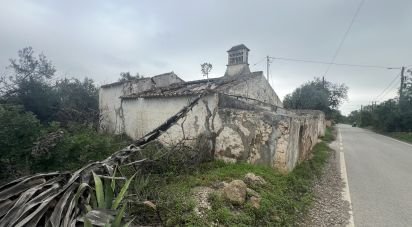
[{"x": 245, "y": 132}]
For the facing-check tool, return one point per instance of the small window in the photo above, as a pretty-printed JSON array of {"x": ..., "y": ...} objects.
[{"x": 236, "y": 58}]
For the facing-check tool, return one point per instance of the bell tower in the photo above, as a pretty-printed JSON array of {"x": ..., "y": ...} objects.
[{"x": 237, "y": 60}]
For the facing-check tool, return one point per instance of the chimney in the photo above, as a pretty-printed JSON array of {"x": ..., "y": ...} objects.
[{"x": 237, "y": 61}]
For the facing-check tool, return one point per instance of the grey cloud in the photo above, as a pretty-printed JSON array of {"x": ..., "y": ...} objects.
[{"x": 102, "y": 38}]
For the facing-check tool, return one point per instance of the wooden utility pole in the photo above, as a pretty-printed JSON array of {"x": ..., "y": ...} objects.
[
  {"x": 267, "y": 67},
  {"x": 402, "y": 84},
  {"x": 323, "y": 81},
  {"x": 360, "y": 115}
]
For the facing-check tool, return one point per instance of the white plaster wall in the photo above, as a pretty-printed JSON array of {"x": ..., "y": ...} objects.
[
  {"x": 256, "y": 88},
  {"x": 234, "y": 70},
  {"x": 162, "y": 81},
  {"x": 142, "y": 115},
  {"x": 109, "y": 105},
  {"x": 200, "y": 120},
  {"x": 111, "y": 117},
  {"x": 111, "y": 113}
]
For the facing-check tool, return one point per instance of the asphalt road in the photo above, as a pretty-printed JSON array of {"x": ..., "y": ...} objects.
[{"x": 379, "y": 171}]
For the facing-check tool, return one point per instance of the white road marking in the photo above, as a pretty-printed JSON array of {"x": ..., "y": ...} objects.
[{"x": 344, "y": 175}]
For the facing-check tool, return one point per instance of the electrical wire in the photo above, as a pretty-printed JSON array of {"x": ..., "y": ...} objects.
[
  {"x": 259, "y": 61},
  {"x": 394, "y": 86},
  {"x": 333, "y": 63},
  {"x": 344, "y": 36},
  {"x": 390, "y": 84}
]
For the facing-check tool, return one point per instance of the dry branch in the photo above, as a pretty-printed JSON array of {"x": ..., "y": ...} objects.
[{"x": 58, "y": 198}]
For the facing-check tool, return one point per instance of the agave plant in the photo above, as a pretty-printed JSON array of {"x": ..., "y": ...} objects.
[
  {"x": 58, "y": 198},
  {"x": 105, "y": 202}
]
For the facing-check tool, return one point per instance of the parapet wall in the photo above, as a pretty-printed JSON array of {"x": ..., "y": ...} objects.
[{"x": 234, "y": 131}]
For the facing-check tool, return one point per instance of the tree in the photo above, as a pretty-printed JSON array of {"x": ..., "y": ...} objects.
[
  {"x": 78, "y": 102},
  {"x": 29, "y": 84},
  {"x": 26, "y": 69},
  {"x": 206, "y": 68},
  {"x": 126, "y": 76},
  {"x": 317, "y": 95}
]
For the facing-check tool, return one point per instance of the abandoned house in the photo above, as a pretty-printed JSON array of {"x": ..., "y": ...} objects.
[{"x": 238, "y": 116}]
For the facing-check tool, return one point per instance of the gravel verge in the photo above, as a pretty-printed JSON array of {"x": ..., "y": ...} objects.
[{"x": 328, "y": 207}]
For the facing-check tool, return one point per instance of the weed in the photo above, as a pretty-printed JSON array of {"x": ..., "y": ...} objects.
[{"x": 283, "y": 199}]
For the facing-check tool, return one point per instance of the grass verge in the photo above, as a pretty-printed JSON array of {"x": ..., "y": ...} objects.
[
  {"x": 285, "y": 197},
  {"x": 330, "y": 135},
  {"x": 404, "y": 136}
]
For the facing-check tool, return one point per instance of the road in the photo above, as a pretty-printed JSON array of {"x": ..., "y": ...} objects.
[{"x": 379, "y": 171}]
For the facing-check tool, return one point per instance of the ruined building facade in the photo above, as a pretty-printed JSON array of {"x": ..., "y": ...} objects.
[{"x": 237, "y": 117}]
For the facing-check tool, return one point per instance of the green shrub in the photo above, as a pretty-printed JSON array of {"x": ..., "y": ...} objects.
[
  {"x": 79, "y": 146},
  {"x": 18, "y": 131}
]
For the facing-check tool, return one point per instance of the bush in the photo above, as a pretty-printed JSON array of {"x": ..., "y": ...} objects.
[
  {"x": 18, "y": 131},
  {"x": 79, "y": 146}
]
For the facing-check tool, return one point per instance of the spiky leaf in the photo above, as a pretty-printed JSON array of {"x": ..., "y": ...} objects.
[
  {"x": 122, "y": 193},
  {"x": 118, "y": 220},
  {"x": 99, "y": 191}
]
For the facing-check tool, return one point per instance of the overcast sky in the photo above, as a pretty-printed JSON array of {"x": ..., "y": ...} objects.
[{"x": 100, "y": 39}]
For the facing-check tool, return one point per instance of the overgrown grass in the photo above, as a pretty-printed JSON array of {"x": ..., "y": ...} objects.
[
  {"x": 330, "y": 135},
  {"x": 284, "y": 198},
  {"x": 404, "y": 136}
]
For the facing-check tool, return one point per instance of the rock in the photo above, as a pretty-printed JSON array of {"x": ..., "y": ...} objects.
[
  {"x": 219, "y": 185},
  {"x": 252, "y": 179},
  {"x": 251, "y": 192},
  {"x": 235, "y": 192},
  {"x": 255, "y": 201}
]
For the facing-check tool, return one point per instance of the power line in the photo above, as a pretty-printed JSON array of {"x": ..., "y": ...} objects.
[
  {"x": 394, "y": 86},
  {"x": 332, "y": 63},
  {"x": 390, "y": 84},
  {"x": 344, "y": 36},
  {"x": 259, "y": 61}
]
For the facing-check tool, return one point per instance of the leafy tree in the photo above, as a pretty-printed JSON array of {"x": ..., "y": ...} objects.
[
  {"x": 27, "y": 68},
  {"x": 29, "y": 84},
  {"x": 206, "y": 68},
  {"x": 317, "y": 95},
  {"x": 127, "y": 76},
  {"x": 78, "y": 102}
]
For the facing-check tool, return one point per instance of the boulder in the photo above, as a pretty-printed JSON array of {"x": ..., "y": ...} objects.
[
  {"x": 252, "y": 179},
  {"x": 235, "y": 192},
  {"x": 255, "y": 202}
]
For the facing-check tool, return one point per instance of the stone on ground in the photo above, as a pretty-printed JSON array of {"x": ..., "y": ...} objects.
[
  {"x": 255, "y": 201},
  {"x": 235, "y": 192},
  {"x": 252, "y": 179}
]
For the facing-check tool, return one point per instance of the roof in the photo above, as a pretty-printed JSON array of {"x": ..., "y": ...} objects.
[
  {"x": 195, "y": 87},
  {"x": 238, "y": 47},
  {"x": 143, "y": 78}
]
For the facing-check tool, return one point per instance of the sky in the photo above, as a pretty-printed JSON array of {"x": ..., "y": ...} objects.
[{"x": 100, "y": 39}]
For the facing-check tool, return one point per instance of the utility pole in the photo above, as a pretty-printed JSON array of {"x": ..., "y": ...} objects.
[
  {"x": 267, "y": 67},
  {"x": 360, "y": 115},
  {"x": 402, "y": 84},
  {"x": 323, "y": 81}
]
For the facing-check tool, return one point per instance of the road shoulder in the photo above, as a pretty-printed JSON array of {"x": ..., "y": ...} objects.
[{"x": 329, "y": 207}]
